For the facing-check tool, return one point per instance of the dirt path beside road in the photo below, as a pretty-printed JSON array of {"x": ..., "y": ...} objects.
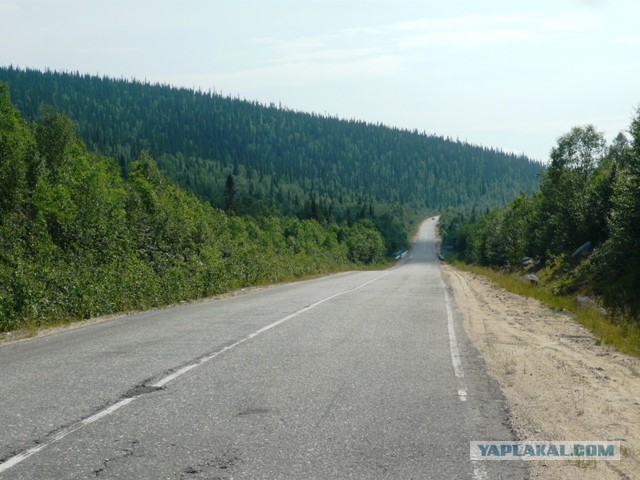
[{"x": 559, "y": 384}]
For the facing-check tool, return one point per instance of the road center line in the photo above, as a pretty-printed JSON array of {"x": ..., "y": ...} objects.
[
  {"x": 20, "y": 457},
  {"x": 162, "y": 382},
  {"x": 16, "y": 459}
]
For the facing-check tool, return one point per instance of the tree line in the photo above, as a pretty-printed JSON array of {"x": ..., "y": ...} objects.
[
  {"x": 282, "y": 161},
  {"x": 79, "y": 237},
  {"x": 588, "y": 206}
]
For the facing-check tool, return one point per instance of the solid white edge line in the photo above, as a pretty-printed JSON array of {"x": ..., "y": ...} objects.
[
  {"x": 16, "y": 459},
  {"x": 479, "y": 471},
  {"x": 453, "y": 346}
]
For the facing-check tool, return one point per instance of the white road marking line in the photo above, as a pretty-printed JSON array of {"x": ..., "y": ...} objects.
[
  {"x": 13, "y": 461},
  {"x": 16, "y": 459},
  {"x": 162, "y": 382},
  {"x": 108, "y": 410},
  {"x": 453, "y": 346}
]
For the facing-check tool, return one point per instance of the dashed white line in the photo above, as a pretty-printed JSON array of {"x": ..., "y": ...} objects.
[
  {"x": 162, "y": 382},
  {"x": 16, "y": 459},
  {"x": 107, "y": 411},
  {"x": 20, "y": 457}
]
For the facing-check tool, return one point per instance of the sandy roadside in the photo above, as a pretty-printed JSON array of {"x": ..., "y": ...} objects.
[{"x": 559, "y": 385}]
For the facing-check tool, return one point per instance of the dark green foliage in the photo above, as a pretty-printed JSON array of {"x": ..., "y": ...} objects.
[
  {"x": 78, "y": 240},
  {"x": 281, "y": 161},
  {"x": 83, "y": 234},
  {"x": 625, "y": 212},
  {"x": 589, "y": 193},
  {"x": 15, "y": 144},
  {"x": 230, "y": 195},
  {"x": 55, "y": 136},
  {"x": 365, "y": 244},
  {"x": 567, "y": 218}
]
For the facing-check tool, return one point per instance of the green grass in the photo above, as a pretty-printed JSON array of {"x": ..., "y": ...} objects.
[
  {"x": 620, "y": 331},
  {"x": 30, "y": 328}
]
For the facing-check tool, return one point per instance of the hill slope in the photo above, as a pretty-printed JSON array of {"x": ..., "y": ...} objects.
[
  {"x": 280, "y": 159},
  {"x": 78, "y": 240}
]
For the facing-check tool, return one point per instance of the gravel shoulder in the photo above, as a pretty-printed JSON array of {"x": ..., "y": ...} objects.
[{"x": 558, "y": 383}]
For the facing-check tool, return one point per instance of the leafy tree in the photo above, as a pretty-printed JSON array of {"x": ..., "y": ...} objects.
[
  {"x": 565, "y": 220},
  {"x": 625, "y": 215},
  {"x": 15, "y": 144},
  {"x": 54, "y": 137},
  {"x": 78, "y": 239},
  {"x": 620, "y": 150},
  {"x": 510, "y": 235},
  {"x": 365, "y": 244},
  {"x": 580, "y": 150},
  {"x": 589, "y": 192},
  {"x": 600, "y": 201}
]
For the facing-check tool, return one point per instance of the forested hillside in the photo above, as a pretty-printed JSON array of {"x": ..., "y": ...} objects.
[
  {"x": 583, "y": 226},
  {"x": 118, "y": 195},
  {"x": 280, "y": 160},
  {"x": 78, "y": 239}
]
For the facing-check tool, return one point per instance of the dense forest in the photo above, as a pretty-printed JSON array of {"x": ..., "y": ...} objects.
[
  {"x": 280, "y": 160},
  {"x": 119, "y": 194},
  {"x": 78, "y": 239},
  {"x": 583, "y": 224}
]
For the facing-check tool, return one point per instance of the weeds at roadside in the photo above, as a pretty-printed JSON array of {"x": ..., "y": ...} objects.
[{"x": 618, "y": 331}]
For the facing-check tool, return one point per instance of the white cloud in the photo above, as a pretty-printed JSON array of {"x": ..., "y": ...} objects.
[{"x": 374, "y": 50}]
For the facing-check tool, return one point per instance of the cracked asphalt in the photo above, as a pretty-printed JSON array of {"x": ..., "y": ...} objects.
[{"x": 346, "y": 376}]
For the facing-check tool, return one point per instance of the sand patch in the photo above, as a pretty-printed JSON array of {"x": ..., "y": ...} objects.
[{"x": 559, "y": 385}]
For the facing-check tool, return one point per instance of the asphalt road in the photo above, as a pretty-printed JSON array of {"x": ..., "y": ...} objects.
[{"x": 362, "y": 375}]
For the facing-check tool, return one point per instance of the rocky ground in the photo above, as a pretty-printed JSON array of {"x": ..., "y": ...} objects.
[{"x": 558, "y": 383}]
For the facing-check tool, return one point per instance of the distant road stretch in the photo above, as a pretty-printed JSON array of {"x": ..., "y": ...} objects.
[{"x": 362, "y": 375}]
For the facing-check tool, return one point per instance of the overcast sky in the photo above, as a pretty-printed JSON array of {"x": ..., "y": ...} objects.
[{"x": 510, "y": 74}]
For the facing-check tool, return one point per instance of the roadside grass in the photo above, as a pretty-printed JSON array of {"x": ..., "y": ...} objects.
[
  {"x": 27, "y": 330},
  {"x": 618, "y": 331},
  {"x": 30, "y": 329}
]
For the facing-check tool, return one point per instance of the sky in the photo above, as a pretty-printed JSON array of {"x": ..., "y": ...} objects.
[{"x": 508, "y": 74}]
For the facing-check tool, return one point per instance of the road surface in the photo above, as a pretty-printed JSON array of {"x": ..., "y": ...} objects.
[{"x": 361, "y": 375}]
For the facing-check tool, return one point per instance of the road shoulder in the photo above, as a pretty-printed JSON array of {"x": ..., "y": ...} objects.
[{"x": 559, "y": 385}]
